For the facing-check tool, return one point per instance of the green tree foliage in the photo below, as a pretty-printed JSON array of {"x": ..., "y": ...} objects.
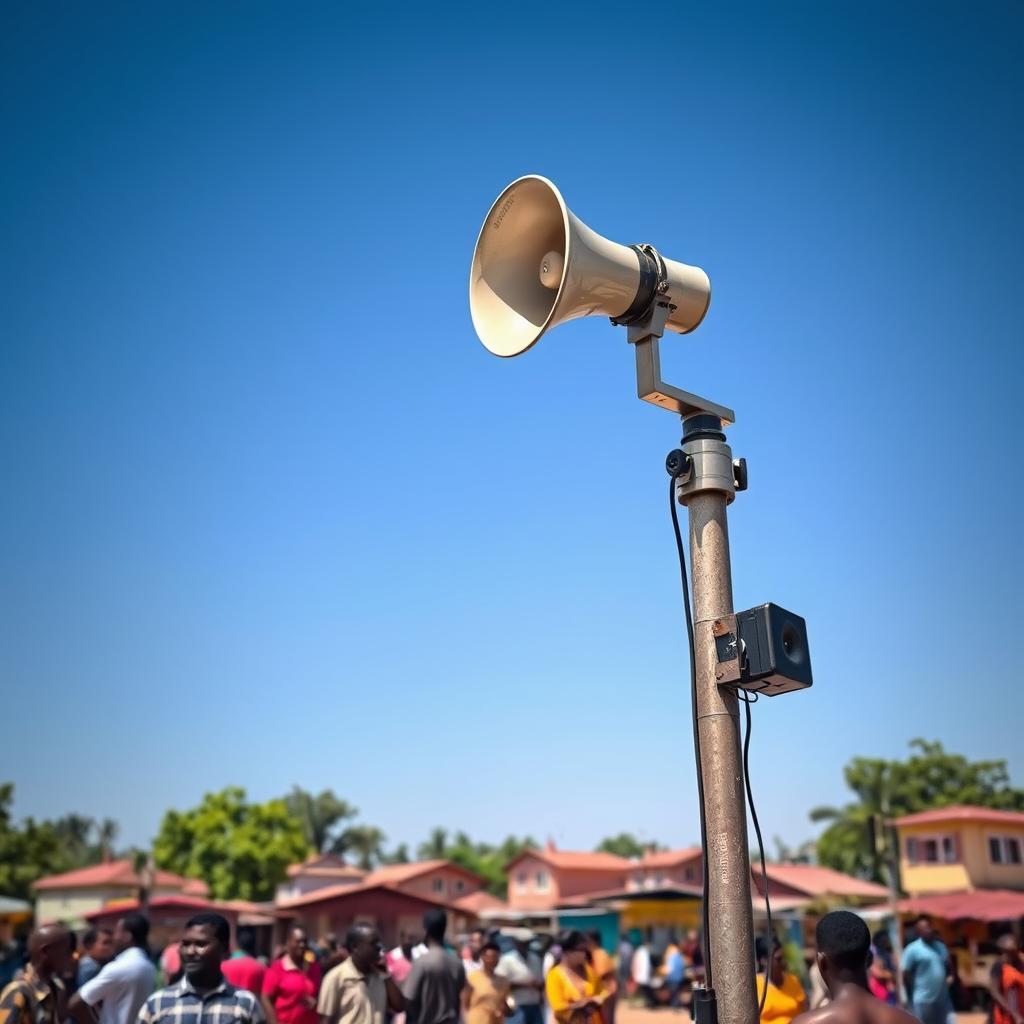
[
  {"x": 36, "y": 848},
  {"x": 625, "y": 844},
  {"x": 929, "y": 778},
  {"x": 362, "y": 844},
  {"x": 320, "y": 816},
  {"x": 399, "y": 855},
  {"x": 482, "y": 859},
  {"x": 240, "y": 849},
  {"x": 27, "y": 852}
]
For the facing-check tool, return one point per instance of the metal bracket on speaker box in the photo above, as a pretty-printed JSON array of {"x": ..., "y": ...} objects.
[
  {"x": 650, "y": 387},
  {"x": 729, "y": 656}
]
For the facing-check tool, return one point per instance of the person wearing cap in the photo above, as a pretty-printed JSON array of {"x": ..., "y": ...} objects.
[{"x": 525, "y": 973}]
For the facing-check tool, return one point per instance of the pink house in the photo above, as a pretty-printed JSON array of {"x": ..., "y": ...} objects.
[
  {"x": 541, "y": 879},
  {"x": 659, "y": 868},
  {"x": 437, "y": 880}
]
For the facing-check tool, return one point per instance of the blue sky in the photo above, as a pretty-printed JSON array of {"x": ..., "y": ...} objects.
[{"x": 271, "y": 514}]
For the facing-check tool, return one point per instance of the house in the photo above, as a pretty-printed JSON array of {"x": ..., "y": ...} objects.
[
  {"x": 73, "y": 895},
  {"x": 539, "y": 880},
  {"x": 391, "y": 910},
  {"x": 961, "y": 849},
  {"x": 318, "y": 872},
  {"x": 812, "y": 882},
  {"x": 659, "y": 868},
  {"x": 437, "y": 880}
]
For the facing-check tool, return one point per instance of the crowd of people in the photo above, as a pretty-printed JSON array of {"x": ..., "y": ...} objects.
[{"x": 523, "y": 979}]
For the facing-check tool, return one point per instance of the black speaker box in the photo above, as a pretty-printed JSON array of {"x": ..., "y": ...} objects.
[{"x": 776, "y": 655}]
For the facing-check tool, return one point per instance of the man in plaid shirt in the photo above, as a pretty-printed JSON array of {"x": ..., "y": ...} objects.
[{"x": 203, "y": 995}]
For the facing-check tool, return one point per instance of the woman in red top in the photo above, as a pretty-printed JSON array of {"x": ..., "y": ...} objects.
[{"x": 291, "y": 984}]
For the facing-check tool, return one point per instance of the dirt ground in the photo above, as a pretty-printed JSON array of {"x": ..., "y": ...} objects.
[{"x": 627, "y": 1013}]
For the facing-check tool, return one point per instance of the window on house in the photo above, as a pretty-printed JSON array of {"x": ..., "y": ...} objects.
[
  {"x": 542, "y": 881},
  {"x": 438, "y": 885},
  {"x": 1004, "y": 850},
  {"x": 521, "y": 880},
  {"x": 691, "y": 874},
  {"x": 460, "y": 886},
  {"x": 932, "y": 850}
]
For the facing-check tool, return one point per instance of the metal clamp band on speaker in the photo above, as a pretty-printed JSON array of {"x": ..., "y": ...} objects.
[{"x": 653, "y": 279}]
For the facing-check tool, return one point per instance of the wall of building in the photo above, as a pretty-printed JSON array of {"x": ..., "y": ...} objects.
[
  {"x": 534, "y": 884},
  {"x": 71, "y": 905},
  {"x": 442, "y": 885},
  {"x": 688, "y": 873},
  {"x": 292, "y": 888},
  {"x": 973, "y": 867},
  {"x": 389, "y": 912}
]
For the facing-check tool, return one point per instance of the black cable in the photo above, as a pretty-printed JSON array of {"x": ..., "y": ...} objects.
[
  {"x": 696, "y": 731},
  {"x": 747, "y": 701}
]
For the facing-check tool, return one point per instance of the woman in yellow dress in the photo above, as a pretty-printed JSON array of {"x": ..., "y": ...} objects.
[
  {"x": 575, "y": 992},
  {"x": 485, "y": 999},
  {"x": 786, "y": 997}
]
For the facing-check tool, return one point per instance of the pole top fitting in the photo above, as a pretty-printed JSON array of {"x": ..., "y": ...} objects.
[{"x": 702, "y": 426}]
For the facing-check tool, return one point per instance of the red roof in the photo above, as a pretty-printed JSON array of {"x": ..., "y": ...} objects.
[
  {"x": 475, "y": 902},
  {"x": 815, "y": 880},
  {"x": 395, "y": 874},
  {"x": 116, "y": 874},
  {"x": 325, "y": 865},
  {"x": 980, "y": 905},
  {"x": 669, "y": 858},
  {"x": 963, "y": 813},
  {"x": 339, "y": 892},
  {"x": 576, "y": 860},
  {"x": 120, "y": 907}
]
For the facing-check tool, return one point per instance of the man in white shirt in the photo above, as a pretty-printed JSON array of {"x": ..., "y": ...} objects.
[
  {"x": 524, "y": 971},
  {"x": 641, "y": 968},
  {"x": 124, "y": 984}
]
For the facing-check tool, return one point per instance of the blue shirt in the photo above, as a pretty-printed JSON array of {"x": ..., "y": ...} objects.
[
  {"x": 675, "y": 967},
  {"x": 927, "y": 961}
]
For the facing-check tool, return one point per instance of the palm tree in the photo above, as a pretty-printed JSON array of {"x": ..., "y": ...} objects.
[
  {"x": 857, "y": 839},
  {"x": 106, "y": 833},
  {"x": 436, "y": 845},
  {"x": 320, "y": 816},
  {"x": 364, "y": 842},
  {"x": 74, "y": 832}
]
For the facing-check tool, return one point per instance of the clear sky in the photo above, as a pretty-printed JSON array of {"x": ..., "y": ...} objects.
[{"x": 270, "y": 514}]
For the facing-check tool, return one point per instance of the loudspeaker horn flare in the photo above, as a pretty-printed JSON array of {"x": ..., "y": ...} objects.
[{"x": 536, "y": 265}]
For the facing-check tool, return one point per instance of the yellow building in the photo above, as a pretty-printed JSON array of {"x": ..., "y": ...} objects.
[{"x": 961, "y": 849}]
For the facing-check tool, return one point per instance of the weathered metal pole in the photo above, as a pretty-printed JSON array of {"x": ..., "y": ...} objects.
[{"x": 706, "y": 490}]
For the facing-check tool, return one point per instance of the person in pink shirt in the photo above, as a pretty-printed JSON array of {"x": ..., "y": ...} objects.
[
  {"x": 242, "y": 969},
  {"x": 291, "y": 984}
]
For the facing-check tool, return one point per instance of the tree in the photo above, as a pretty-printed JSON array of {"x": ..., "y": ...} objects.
[
  {"x": 435, "y": 845},
  {"x": 625, "y": 844},
  {"x": 857, "y": 839},
  {"x": 365, "y": 843},
  {"x": 802, "y": 854},
  {"x": 240, "y": 849},
  {"x": 481, "y": 858},
  {"x": 320, "y": 816},
  {"x": 28, "y": 852},
  {"x": 399, "y": 855},
  {"x": 106, "y": 834}
]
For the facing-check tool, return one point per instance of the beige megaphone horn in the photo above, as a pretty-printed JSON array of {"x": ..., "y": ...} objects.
[{"x": 536, "y": 265}]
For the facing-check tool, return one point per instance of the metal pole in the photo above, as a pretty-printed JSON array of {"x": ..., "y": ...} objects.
[{"x": 706, "y": 491}]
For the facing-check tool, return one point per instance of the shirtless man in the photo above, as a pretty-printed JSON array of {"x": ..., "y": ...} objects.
[{"x": 844, "y": 944}]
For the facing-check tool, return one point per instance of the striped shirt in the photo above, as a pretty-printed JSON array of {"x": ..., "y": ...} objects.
[{"x": 181, "y": 1004}]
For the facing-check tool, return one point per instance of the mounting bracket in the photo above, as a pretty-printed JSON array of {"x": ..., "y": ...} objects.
[{"x": 644, "y": 337}]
